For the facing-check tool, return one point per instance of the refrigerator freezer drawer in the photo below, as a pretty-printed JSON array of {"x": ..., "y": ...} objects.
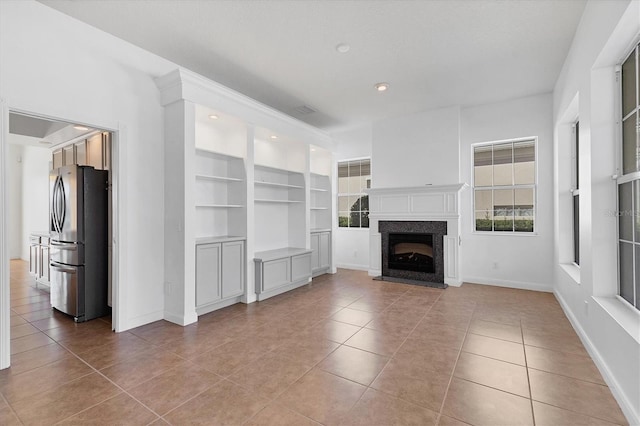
[
  {"x": 67, "y": 253},
  {"x": 67, "y": 289}
]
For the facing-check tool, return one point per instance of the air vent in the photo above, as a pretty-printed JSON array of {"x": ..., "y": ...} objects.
[{"x": 304, "y": 110}]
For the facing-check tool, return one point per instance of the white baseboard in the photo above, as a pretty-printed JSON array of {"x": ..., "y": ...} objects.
[
  {"x": 522, "y": 285},
  {"x": 143, "y": 320},
  {"x": 627, "y": 408},
  {"x": 180, "y": 319},
  {"x": 352, "y": 266}
]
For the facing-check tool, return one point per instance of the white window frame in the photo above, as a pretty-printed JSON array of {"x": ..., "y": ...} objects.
[
  {"x": 534, "y": 186},
  {"x": 349, "y": 194},
  {"x": 575, "y": 186}
]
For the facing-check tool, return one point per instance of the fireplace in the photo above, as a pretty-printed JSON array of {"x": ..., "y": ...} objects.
[{"x": 413, "y": 252}]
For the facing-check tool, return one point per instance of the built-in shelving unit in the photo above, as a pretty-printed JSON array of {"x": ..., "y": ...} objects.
[{"x": 242, "y": 198}]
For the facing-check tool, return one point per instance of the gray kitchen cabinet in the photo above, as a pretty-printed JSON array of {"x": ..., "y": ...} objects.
[
  {"x": 39, "y": 258},
  {"x": 34, "y": 254},
  {"x": 81, "y": 153},
  {"x": 95, "y": 151},
  {"x": 220, "y": 277},
  {"x": 57, "y": 158},
  {"x": 321, "y": 256},
  {"x": 69, "y": 155},
  {"x": 281, "y": 270}
]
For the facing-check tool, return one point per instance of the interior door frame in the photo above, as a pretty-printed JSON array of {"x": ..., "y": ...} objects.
[{"x": 119, "y": 237}]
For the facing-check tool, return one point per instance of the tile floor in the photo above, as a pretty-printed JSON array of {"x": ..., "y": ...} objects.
[{"x": 345, "y": 350}]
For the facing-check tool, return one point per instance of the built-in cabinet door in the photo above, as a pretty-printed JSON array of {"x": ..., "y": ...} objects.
[
  {"x": 69, "y": 155},
  {"x": 34, "y": 255},
  {"x": 81, "y": 153},
  {"x": 95, "y": 151},
  {"x": 300, "y": 266},
  {"x": 232, "y": 269},
  {"x": 276, "y": 273},
  {"x": 208, "y": 273},
  {"x": 324, "y": 251},
  {"x": 57, "y": 159},
  {"x": 44, "y": 263},
  {"x": 315, "y": 254}
]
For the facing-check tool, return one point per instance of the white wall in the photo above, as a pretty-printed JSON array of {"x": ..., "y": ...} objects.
[
  {"x": 610, "y": 330},
  {"x": 15, "y": 200},
  {"x": 34, "y": 194},
  {"x": 352, "y": 244},
  {"x": 417, "y": 149},
  {"x": 521, "y": 261},
  {"x": 59, "y": 67}
]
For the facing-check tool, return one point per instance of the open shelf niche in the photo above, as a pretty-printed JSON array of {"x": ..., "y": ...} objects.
[
  {"x": 321, "y": 194},
  {"x": 220, "y": 189}
]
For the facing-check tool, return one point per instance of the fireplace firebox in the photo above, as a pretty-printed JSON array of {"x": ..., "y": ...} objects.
[{"x": 413, "y": 251}]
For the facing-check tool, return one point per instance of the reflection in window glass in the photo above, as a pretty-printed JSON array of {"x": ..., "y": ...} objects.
[
  {"x": 504, "y": 186},
  {"x": 353, "y": 204}
]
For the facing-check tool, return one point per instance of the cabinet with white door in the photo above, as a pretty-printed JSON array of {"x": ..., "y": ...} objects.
[
  {"x": 321, "y": 255},
  {"x": 220, "y": 269}
]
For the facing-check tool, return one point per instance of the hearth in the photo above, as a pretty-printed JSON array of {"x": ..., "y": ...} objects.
[{"x": 412, "y": 251}]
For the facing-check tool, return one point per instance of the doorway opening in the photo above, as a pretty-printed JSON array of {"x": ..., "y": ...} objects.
[{"x": 40, "y": 258}]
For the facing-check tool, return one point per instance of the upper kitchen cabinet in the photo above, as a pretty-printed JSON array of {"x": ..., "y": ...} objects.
[
  {"x": 230, "y": 182},
  {"x": 94, "y": 151}
]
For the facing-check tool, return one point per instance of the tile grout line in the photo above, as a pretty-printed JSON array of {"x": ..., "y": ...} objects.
[{"x": 526, "y": 366}]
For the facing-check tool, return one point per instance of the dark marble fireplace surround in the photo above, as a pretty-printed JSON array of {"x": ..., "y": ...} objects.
[{"x": 437, "y": 229}]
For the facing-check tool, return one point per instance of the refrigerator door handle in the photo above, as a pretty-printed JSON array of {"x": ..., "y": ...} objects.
[
  {"x": 61, "y": 203},
  {"x": 64, "y": 246},
  {"x": 54, "y": 216},
  {"x": 57, "y": 267}
]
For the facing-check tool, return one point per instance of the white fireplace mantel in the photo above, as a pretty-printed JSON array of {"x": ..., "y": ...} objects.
[{"x": 428, "y": 203}]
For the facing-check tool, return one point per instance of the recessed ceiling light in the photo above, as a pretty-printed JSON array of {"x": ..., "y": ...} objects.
[
  {"x": 213, "y": 116},
  {"x": 313, "y": 150},
  {"x": 343, "y": 47},
  {"x": 381, "y": 87},
  {"x": 43, "y": 142},
  {"x": 78, "y": 127},
  {"x": 274, "y": 137}
]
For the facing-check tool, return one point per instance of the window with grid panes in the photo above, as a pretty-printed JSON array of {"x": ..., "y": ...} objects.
[
  {"x": 629, "y": 185},
  {"x": 353, "y": 204},
  {"x": 504, "y": 186}
]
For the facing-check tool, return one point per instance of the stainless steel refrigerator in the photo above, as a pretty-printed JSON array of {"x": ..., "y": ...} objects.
[{"x": 78, "y": 229}]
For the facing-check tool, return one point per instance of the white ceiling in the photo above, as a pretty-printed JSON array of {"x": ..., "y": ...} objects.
[{"x": 434, "y": 53}]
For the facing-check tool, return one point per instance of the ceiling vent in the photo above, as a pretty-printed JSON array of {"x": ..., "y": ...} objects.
[{"x": 304, "y": 110}]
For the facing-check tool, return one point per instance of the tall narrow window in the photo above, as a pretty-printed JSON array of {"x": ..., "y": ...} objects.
[
  {"x": 629, "y": 185},
  {"x": 504, "y": 186},
  {"x": 576, "y": 193},
  {"x": 353, "y": 204}
]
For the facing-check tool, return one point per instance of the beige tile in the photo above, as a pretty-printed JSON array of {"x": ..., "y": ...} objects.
[
  {"x": 494, "y": 348},
  {"x": 413, "y": 383},
  {"x": 480, "y": 405},
  {"x": 57, "y": 404},
  {"x": 563, "y": 363},
  {"x": 591, "y": 399},
  {"x": 449, "y": 421},
  {"x": 490, "y": 372},
  {"x": 354, "y": 364},
  {"x": 277, "y": 415},
  {"x": 421, "y": 353},
  {"x": 269, "y": 376},
  {"x": 563, "y": 342},
  {"x": 322, "y": 396},
  {"x": 353, "y": 317},
  {"x": 309, "y": 350},
  {"x": 378, "y": 408},
  {"x": 17, "y": 387},
  {"x": 8, "y": 417},
  {"x": 132, "y": 372},
  {"x": 496, "y": 330},
  {"x": 439, "y": 335},
  {"x": 225, "y": 359},
  {"x": 119, "y": 410},
  {"x": 333, "y": 330},
  {"x": 173, "y": 387},
  {"x": 457, "y": 319},
  {"x": 31, "y": 341},
  {"x": 223, "y": 403},
  {"x": 379, "y": 342},
  {"x": 34, "y": 358},
  {"x": 548, "y": 415},
  {"x": 22, "y": 330}
]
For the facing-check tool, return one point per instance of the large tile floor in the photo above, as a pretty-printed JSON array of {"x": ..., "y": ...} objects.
[{"x": 345, "y": 350}]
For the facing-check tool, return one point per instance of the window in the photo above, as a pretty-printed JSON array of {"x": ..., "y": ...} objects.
[
  {"x": 504, "y": 186},
  {"x": 629, "y": 186},
  {"x": 575, "y": 192},
  {"x": 353, "y": 204}
]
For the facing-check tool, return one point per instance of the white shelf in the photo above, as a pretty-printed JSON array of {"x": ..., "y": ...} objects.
[
  {"x": 319, "y": 190},
  {"x": 219, "y": 206},
  {"x": 264, "y": 200},
  {"x": 216, "y": 154},
  {"x": 218, "y": 178},
  {"x": 319, "y": 208},
  {"x": 280, "y": 185}
]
